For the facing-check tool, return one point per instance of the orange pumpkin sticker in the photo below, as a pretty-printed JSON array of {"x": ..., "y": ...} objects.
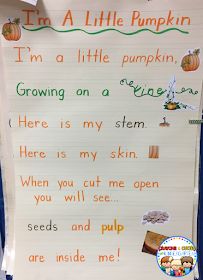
[
  {"x": 11, "y": 30},
  {"x": 191, "y": 61}
]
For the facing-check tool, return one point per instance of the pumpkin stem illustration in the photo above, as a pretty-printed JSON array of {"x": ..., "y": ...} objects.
[
  {"x": 9, "y": 20},
  {"x": 164, "y": 118}
]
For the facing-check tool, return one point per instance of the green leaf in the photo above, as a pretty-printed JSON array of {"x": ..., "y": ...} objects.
[{"x": 16, "y": 20}]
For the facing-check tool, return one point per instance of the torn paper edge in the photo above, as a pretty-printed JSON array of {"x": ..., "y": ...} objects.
[
  {"x": 7, "y": 174},
  {"x": 196, "y": 182}
]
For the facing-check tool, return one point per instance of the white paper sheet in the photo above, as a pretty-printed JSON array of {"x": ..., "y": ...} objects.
[{"x": 33, "y": 2}]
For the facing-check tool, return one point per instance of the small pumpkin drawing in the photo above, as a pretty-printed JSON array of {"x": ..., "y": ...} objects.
[
  {"x": 171, "y": 106},
  {"x": 11, "y": 30},
  {"x": 191, "y": 61}
]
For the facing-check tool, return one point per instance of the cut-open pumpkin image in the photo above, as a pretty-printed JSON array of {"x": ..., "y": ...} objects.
[
  {"x": 191, "y": 61},
  {"x": 11, "y": 30}
]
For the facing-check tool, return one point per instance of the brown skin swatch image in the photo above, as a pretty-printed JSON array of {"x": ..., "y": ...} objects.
[{"x": 152, "y": 242}]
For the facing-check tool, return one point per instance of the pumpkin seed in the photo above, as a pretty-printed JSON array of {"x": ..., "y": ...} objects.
[{"x": 155, "y": 216}]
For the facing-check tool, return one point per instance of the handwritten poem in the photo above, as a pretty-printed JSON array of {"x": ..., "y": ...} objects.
[{"x": 100, "y": 97}]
